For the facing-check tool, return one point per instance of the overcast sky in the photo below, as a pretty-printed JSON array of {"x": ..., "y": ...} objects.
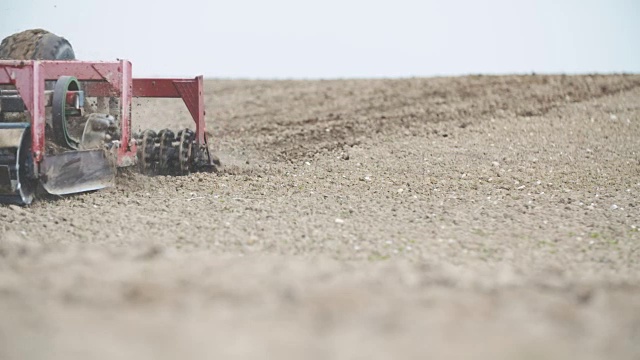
[{"x": 342, "y": 38}]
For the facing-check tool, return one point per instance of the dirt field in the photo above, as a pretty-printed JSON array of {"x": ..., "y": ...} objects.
[{"x": 474, "y": 217}]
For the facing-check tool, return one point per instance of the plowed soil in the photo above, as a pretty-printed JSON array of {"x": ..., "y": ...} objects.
[{"x": 474, "y": 217}]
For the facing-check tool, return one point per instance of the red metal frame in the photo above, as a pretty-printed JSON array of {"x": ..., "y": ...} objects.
[{"x": 112, "y": 79}]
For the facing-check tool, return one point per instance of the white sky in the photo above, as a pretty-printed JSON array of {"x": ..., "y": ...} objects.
[{"x": 348, "y": 38}]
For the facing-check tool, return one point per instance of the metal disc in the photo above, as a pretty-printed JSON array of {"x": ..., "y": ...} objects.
[
  {"x": 184, "y": 151},
  {"x": 17, "y": 184},
  {"x": 166, "y": 151},
  {"x": 147, "y": 154},
  {"x": 59, "y": 112}
]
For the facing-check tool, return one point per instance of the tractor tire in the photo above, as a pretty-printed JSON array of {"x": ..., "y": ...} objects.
[{"x": 36, "y": 44}]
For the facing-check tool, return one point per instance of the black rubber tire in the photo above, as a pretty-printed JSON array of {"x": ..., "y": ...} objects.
[
  {"x": 53, "y": 47},
  {"x": 36, "y": 44}
]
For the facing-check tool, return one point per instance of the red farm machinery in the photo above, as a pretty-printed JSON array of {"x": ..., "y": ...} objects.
[{"x": 53, "y": 139}]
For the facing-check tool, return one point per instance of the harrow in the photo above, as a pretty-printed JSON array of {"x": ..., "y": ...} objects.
[{"x": 53, "y": 138}]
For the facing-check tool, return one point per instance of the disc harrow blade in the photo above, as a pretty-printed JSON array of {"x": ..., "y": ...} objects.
[
  {"x": 172, "y": 153},
  {"x": 17, "y": 185}
]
